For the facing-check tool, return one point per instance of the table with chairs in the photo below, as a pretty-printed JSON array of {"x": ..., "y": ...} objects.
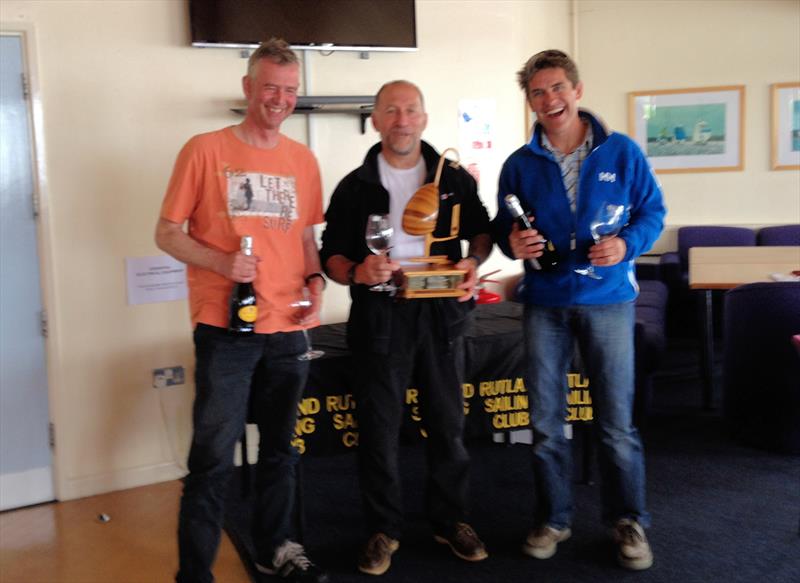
[{"x": 695, "y": 306}]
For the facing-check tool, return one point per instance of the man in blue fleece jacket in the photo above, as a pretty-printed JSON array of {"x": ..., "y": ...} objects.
[{"x": 572, "y": 166}]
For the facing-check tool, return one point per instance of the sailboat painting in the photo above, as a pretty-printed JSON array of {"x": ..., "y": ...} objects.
[
  {"x": 686, "y": 130},
  {"x": 689, "y": 130}
]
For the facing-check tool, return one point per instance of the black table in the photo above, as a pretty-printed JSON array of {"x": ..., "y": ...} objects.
[{"x": 495, "y": 397}]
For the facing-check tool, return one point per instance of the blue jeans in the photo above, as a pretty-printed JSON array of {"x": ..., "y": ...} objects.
[
  {"x": 226, "y": 367},
  {"x": 605, "y": 337}
]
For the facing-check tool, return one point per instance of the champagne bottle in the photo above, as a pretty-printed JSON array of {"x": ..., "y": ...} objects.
[
  {"x": 548, "y": 260},
  {"x": 243, "y": 308}
]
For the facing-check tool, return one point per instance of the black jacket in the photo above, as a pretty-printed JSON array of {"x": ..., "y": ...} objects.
[{"x": 360, "y": 194}]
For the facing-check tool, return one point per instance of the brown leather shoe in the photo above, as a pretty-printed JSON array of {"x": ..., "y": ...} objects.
[
  {"x": 376, "y": 556},
  {"x": 464, "y": 543}
]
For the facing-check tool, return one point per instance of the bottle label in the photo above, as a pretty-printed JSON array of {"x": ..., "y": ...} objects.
[{"x": 248, "y": 313}]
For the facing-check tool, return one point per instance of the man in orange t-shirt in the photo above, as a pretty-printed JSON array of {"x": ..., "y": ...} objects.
[{"x": 247, "y": 180}]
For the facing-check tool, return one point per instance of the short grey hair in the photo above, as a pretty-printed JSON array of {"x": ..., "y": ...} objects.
[{"x": 276, "y": 50}]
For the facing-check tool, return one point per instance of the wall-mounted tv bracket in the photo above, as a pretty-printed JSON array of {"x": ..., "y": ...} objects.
[{"x": 360, "y": 105}]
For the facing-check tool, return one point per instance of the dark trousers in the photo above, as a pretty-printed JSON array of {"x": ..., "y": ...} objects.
[
  {"x": 418, "y": 352},
  {"x": 226, "y": 365}
]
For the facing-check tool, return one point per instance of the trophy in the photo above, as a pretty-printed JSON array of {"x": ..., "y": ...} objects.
[{"x": 436, "y": 276}]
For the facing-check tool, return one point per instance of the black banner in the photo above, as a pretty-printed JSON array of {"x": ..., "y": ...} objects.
[{"x": 495, "y": 396}]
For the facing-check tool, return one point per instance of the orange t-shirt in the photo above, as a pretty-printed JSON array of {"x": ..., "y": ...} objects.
[{"x": 226, "y": 189}]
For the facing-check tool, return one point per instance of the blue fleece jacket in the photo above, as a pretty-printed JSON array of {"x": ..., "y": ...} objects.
[{"x": 615, "y": 171}]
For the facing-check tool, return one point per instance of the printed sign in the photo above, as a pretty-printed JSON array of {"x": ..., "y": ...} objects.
[{"x": 155, "y": 279}]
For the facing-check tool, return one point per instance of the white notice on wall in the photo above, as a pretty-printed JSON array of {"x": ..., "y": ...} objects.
[
  {"x": 155, "y": 279},
  {"x": 476, "y": 133}
]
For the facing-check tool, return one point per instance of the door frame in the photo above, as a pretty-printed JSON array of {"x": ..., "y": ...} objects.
[{"x": 25, "y": 31}]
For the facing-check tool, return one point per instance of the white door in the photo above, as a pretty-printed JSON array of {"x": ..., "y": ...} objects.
[{"x": 26, "y": 475}]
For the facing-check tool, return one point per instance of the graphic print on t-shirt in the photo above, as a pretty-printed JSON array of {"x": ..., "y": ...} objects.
[{"x": 251, "y": 194}]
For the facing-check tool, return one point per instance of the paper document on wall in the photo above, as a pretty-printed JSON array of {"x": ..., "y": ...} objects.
[
  {"x": 476, "y": 133},
  {"x": 155, "y": 279}
]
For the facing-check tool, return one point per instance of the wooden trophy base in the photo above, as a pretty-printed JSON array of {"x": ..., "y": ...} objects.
[{"x": 437, "y": 279}]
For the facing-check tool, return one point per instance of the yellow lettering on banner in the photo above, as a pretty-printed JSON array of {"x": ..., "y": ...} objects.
[
  {"x": 344, "y": 421},
  {"x": 506, "y": 403},
  {"x": 415, "y": 413},
  {"x": 580, "y": 414},
  {"x": 299, "y": 444},
  {"x": 339, "y": 402},
  {"x": 308, "y": 406},
  {"x": 411, "y": 396},
  {"x": 510, "y": 420},
  {"x": 576, "y": 381},
  {"x": 466, "y": 408},
  {"x": 350, "y": 438},
  {"x": 468, "y": 389},
  {"x": 500, "y": 387},
  {"x": 579, "y": 397},
  {"x": 304, "y": 426}
]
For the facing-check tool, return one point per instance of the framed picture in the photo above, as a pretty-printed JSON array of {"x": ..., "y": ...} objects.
[
  {"x": 785, "y": 126},
  {"x": 689, "y": 130}
]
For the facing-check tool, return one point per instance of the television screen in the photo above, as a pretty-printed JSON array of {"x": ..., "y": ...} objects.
[{"x": 317, "y": 24}]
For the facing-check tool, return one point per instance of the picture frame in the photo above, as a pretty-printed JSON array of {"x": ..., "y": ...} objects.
[
  {"x": 785, "y": 124},
  {"x": 698, "y": 129}
]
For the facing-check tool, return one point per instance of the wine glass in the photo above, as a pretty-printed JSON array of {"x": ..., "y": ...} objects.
[
  {"x": 606, "y": 223},
  {"x": 301, "y": 304},
  {"x": 378, "y": 236}
]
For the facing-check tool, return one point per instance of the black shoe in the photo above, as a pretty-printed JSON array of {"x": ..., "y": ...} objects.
[
  {"x": 290, "y": 563},
  {"x": 464, "y": 543}
]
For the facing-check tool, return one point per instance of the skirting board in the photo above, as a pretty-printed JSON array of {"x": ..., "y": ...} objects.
[
  {"x": 25, "y": 488},
  {"x": 120, "y": 480}
]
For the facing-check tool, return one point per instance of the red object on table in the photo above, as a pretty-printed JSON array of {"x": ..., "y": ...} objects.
[{"x": 487, "y": 297}]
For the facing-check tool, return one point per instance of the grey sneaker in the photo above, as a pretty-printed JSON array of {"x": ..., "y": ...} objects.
[
  {"x": 542, "y": 542},
  {"x": 633, "y": 550},
  {"x": 290, "y": 563}
]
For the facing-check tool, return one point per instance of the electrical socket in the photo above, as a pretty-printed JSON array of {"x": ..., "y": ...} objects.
[{"x": 168, "y": 377}]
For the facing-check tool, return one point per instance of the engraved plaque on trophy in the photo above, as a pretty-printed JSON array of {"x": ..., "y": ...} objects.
[{"x": 436, "y": 277}]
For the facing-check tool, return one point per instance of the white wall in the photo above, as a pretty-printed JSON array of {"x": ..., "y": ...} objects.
[
  {"x": 121, "y": 90},
  {"x": 672, "y": 44}
]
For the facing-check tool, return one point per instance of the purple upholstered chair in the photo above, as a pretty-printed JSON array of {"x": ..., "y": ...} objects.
[
  {"x": 703, "y": 236},
  {"x": 761, "y": 370},
  {"x": 780, "y": 235},
  {"x": 674, "y": 268}
]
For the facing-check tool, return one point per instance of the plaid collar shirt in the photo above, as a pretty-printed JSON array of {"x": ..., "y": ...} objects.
[{"x": 570, "y": 164}]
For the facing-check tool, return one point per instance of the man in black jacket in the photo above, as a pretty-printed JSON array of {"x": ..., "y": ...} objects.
[{"x": 393, "y": 339}]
